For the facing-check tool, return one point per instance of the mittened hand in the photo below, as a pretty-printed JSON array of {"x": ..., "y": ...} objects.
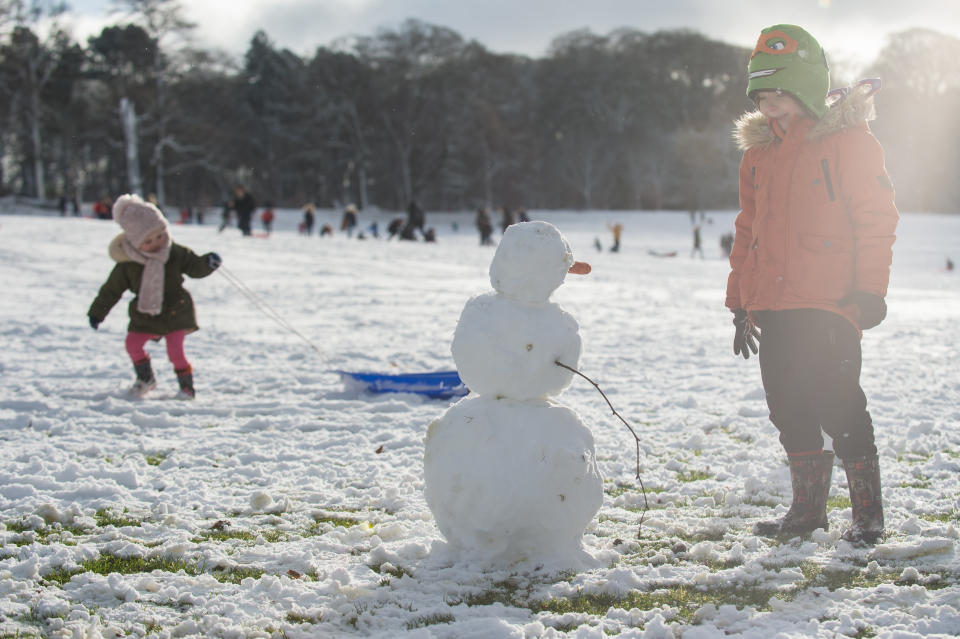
[
  {"x": 94, "y": 322},
  {"x": 214, "y": 261},
  {"x": 746, "y": 336},
  {"x": 873, "y": 308}
]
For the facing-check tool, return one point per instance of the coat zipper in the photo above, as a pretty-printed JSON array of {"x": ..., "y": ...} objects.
[{"x": 826, "y": 179}]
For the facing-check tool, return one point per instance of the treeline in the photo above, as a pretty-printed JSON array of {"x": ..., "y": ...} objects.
[{"x": 628, "y": 120}]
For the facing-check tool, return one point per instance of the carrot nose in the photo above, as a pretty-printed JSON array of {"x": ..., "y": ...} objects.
[{"x": 580, "y": 268}]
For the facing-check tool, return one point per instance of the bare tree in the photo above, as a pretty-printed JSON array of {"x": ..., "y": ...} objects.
[{"x": 163, "y": 20}]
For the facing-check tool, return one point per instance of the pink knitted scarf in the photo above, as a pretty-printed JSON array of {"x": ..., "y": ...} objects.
[{"x": 150, "y": 297}]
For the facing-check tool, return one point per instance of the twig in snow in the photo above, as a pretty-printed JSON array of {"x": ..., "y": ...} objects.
[{"x": 629, "y": 427}]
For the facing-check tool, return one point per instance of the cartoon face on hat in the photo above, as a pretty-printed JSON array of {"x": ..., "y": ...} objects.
[
  {"x": 138, "y": 218},
  {"x": 789, "y": 59}
]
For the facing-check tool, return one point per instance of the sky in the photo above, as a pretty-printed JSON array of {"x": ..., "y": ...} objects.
[{"x": 852, "y": 31}]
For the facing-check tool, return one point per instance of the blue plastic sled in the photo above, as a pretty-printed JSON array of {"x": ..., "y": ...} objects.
[{"x": 440, "y": 385}]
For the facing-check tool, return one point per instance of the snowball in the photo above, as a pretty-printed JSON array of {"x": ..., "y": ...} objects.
[
  {"x": 512, "y": 480},
  {"x": 531, "y": 261},
  {"x": 508, "y": 349},
  {"x": 260, "y": 501}
]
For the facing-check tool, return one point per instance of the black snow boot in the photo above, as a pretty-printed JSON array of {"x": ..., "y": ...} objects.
[
  {"x": 810, "y": 476},
  {"x": 146, "y": 381},
  {"x": 185, "y": 378},
  {"x": 863, "y": 477}
]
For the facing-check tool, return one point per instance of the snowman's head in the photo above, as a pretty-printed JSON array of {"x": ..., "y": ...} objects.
[{"x": 531, "y": 261}]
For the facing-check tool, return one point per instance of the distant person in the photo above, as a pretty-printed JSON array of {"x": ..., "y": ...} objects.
[
  {"x": 152, "y": 266},
  {"x": 697, "y": 242},
  {"x": 62, "y": 205},
  {"x": 306, "y": 226},
  {"x": 949, "y": 264},
  {"x": 726, "y": 243},
  {"x": 506, "y": 218},
  {"x": 244, "y": 205},
  {"x": 484, "y": 227},
  {"x": 616, "y": 229},
  {"x": 416, "y": 218},
  {"x": 394, "y": 227},
  {"x": 226, "y": 215},
  {"x": 349, "y": 220},
  {"x": 101, "y": 209},
  {"x": 374, "y": 229},
  {"x": 597, "y": 245},
  {"x": 809, "y": 271},
  {"x": 267, "y": 217}
]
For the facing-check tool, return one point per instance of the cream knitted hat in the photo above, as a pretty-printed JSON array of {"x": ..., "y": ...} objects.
[{"x": 138, "y": 218}]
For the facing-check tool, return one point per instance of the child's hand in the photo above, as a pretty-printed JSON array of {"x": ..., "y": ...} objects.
[
  {"x": 94, "y": 322},
  {"x": 214, "y": 261},
  {"x": 873, "y": 308},
  {"x": 746, "y": 335}
]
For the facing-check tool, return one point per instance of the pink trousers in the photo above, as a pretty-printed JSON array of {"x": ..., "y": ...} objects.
[{"x": 136, "y": 341}]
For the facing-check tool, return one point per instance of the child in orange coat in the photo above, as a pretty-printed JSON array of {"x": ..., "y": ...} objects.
[{"x": 809, "y": 268}]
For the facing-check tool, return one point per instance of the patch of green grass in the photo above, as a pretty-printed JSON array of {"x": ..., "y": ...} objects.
[
  {"x": 913, "y": 458},
  {"x": 953, "y": 515},
  {"x": 45, "y": 535},
  {"x": 838, "y": 502},
  {"x": 743, "y": 439},
  {"x": 298, "y": 617},
  {"x": 693, "y": 475},
  {"x": 238, "y": 574},
  {"x": 224, "y": 534},
  {"x": 506, "y": 592},
  {"x": 917, "y": 483},
  {"x": 108, "y": 517},
  {"x": 623, "y": 489},
  {"x": 430, "y": 620},
  {"x": 685, "y": 599},
  {"x": 155, "y": 459},
  {"x": 336, "y": 521},
  {"x": 274, "y": 535}
]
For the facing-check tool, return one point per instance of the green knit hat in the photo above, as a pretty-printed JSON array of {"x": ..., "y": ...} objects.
[{"x": 787, "y": 58}]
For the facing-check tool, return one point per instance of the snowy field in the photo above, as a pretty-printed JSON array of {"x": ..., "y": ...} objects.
[{"x": 281, "y": 503}]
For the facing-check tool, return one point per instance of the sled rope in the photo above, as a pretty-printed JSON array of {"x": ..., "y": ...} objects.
[
  {"x": 265, "y": 308},
  {"x": 643, "y": 490}
]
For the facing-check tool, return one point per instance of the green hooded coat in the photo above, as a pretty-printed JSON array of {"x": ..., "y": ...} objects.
[{"x": 178, "y": 312}]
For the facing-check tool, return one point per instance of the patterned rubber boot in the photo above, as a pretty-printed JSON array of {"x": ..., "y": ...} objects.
[
  {"x": 863, "y": 477},
  {"x": 146, "y": 380},
  {"x": 810, "y": 476},
  {"x": 185, "y": 378}
]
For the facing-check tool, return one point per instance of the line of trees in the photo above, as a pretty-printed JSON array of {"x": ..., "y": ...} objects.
[{"x": 625, "y": 120}]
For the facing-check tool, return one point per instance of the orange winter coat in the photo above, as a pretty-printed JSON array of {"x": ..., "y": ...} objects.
[{"x": 817, "y": 216}]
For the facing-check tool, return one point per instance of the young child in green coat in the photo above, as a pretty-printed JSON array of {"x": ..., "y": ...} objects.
[{"x": 152, "y": 266}]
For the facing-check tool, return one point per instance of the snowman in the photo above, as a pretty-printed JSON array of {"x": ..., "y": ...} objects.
[{"x": 510, "y": 474}]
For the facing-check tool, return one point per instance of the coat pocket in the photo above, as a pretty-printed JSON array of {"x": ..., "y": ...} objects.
[{"x": 824, "y": 271}]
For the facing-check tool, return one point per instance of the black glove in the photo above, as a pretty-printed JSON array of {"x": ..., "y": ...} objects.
[
  {"x": 746, "y": 336},
  {"x": 213, "y": 260},
  {"x": 94, "y": 322},
  {"x": 872, "y": 307}
]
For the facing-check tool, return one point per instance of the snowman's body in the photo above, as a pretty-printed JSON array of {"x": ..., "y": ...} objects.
[{"x": 510, "y": 473}]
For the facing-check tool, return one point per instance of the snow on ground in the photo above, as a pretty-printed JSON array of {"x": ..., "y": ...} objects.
[{"x": 283, "y": 504}]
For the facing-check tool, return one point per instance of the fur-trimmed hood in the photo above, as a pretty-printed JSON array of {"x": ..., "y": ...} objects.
[
  {"x": 854, "y": 110},
  {"x": 117, "y": 253}
]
